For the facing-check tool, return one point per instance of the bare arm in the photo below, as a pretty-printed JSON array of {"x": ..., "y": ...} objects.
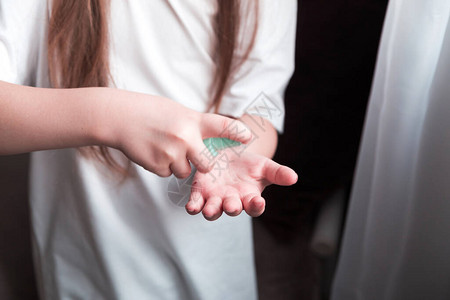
[
  {"x": 36, "y": 119},
  {"x": 155, "y": 132}
]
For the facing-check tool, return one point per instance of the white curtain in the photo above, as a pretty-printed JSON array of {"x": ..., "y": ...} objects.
[{"x": 397, "y": 236}]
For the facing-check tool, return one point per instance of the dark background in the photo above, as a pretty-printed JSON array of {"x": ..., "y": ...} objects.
[
  {"x": 337, "y": 42},
  {"x": 326, "y": 99}
]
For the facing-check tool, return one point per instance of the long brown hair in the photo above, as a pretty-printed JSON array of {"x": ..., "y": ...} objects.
[{"x": 78, "y": 41}]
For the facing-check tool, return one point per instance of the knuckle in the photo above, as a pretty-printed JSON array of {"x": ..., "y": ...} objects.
[
  {"x": 183, "y": 175},
  {"x": 182, "y": 135},
  {"x": 164, "y": 173},
  {"x": 169, "y": 154},
  {"x": 149, "y": 168},
  {"x": 186, "y": 173}
]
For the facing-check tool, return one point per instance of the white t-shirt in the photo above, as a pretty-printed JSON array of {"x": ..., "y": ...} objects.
[{"x": 95, "y": 238}]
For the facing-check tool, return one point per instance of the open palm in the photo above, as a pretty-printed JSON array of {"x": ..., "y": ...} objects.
[{"x": 235, "y": 184}]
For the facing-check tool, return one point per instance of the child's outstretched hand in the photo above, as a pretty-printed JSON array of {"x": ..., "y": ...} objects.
[{"x": 235, "y": 184}]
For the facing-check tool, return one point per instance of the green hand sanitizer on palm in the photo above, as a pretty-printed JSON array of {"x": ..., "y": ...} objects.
[{"x": 216, "y": 144}]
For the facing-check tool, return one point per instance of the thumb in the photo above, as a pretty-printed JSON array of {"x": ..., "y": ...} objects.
[
  {"x": 213, "y": 125},
  {"x": 279, "y": 174}
]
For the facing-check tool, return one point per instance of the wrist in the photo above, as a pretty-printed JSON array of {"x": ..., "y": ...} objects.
[
  {"x": 100, "y": 117},
  {"x": 265, "y": 138}
]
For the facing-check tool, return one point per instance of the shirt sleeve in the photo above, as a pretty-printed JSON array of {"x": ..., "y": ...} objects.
[
  {"x": 22, "y": 25},
  {"x": 258, "y": 87}
]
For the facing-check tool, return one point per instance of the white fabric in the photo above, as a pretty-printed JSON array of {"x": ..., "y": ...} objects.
[
  {"x": 396, "y": 243},
  {"x": 95, "y": 238}
]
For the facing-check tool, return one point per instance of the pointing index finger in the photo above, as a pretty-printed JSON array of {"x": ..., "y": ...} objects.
[{"x": 213, "y": 125}]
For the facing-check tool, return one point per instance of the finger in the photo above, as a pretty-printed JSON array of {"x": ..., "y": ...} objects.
[
  {"x": 279, "y": 174},
  {"x": 232, "y": 205},
  {"x": 213, "y": 125},
  {"x": 254, "y": 204},
  {"x": 163, "y": 172},
  {"x": 196, "y": 201},
  {"x": 213, "y": 208},
  {"x": 181, "y": 169},
  {"x": 200, "y": 157}
]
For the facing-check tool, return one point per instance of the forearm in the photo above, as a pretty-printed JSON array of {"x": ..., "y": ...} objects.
[
  {"x": 265, "y": 137},
  {"x": 34, "y": 119}
]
